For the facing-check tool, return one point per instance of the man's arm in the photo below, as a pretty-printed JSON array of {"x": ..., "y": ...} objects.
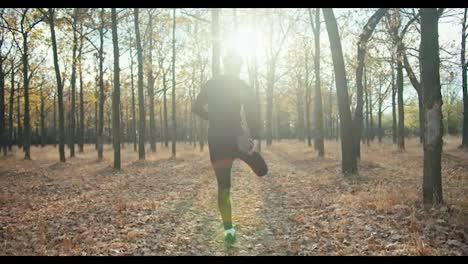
[
  {"x": 200, "y": 103},
  {"x": 250, "y": 106}
]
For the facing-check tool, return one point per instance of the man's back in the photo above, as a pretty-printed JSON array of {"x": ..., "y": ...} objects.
[{"x": 224, "y": 96}]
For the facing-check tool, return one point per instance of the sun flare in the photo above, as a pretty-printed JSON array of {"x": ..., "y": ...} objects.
[{"x": 245, "y": 41}]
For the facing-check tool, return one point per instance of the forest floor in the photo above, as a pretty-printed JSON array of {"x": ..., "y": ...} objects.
[{"x": 166, "y": 206}]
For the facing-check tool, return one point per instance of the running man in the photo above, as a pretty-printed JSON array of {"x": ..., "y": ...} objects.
[{"x": 224, "y": 95}]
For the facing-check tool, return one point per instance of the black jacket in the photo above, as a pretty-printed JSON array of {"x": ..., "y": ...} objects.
[{"x": 224, "y": 95}]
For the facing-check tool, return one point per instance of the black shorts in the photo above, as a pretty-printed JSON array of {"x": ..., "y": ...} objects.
[{"x": 222, "y": 155}]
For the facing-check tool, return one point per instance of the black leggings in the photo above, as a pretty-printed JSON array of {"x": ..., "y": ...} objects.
[{"x": 222, "y": 157}]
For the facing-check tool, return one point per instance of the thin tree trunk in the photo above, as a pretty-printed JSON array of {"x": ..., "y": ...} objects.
[
  {"x": 308, "y": 95},
  {"x": 394, "y": 116},
  {"x": 141, "y": 99},
  {"x": 216, "y": 53},
  {"x": 401, "y": 113},
  {"x": 3, "y": 140},
  {"x": 174, "y": 124},
  {"x": 27, "y": 122},
  {"x": 330, "y": 107},
  {"x": 54, "y": 133},
  {"x": 371, "y": 118},
  {"x": 257, "y": 94},
  {"x": 18, "y": 121},
  {"x": 300, "y": 127},
  {"x": 379, "y": 112},
  {"x": 96, "y": 118},
  {"x": 192, "y": 116},
  {"x": 161, "y": 134},
  {"x": 133, "y": 133},
  {"x": 82, "y": 117},
  {"x": 42, "y": 117},
  {"x": 116, "y": 95},
  {"x": 318, "y": 94},
  {"x": 361, "y": 54},
  {"x": 123, "y": 123},
  {"x": 152, "y": 122},
  {"x": 417, "y": 86},
  {"x": 464, "y": 82},
  {"x": 100, "y": 139},
  {"x": 430, "y": 80},
  {"x": 109, "y": 126},
  {"x": 349, "y": 162},
  {"x": 366, "y": 130},
  {"x": 202, "y": 122},
  {"x": 216, "y": 41},
  {"x": 73, "y": 85},
  {"x": 59, "y": 88},
  {"x": 166, "y": 125},
  {"x": 10, "y": 107}
]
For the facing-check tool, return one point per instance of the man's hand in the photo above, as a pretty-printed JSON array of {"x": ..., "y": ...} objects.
[{"x": 253, "y": 146}]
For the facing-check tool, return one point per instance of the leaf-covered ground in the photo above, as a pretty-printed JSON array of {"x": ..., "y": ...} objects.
[{"x": 165, "y": 206}]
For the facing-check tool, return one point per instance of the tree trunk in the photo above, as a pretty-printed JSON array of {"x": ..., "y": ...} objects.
[
  {"x": 67, "y": 120},
  {"x": 42, "y": 117},
  {"x": 300, "y": 127},
  {"x": 54, "y": 132},
  {"x": 318, "y": 94},
  {"x": 96, "y": 118},
  {"x": 216, "y": 67},
  {"x": 379, "y": 117},
  {"x": 141, "y": 99},
  {"x": 366, "y": 131},
  {"x": 430, "y": 80},
  {"x": 379, "y": 112},
  {"x": 215, "y": 33},
  {"x": 421, "y": 118},
  {"x": 152, "y": 122},
  {"x": 371, "y": 117},
  {"x": 174, "y": 124},
  {"x": 417, "y": 86},
  {"x": 59, "y": 88},
  {"x": 269, "y": 103},
  {"x": 349, "y": 162},
  {"x": 361, "y": 54},
  {"x": 100, "y": 139},
  {"x": 10, "y": 108},
  {"x": 133, "y": 133},
  {"x": 123, "y": 123},
  {"x": 401, "y": 113},
  {"x": 308, "y": 96},
  {"x": 18, "y": 121},
  {"x": 394, "y": 116},
  {"x": 109, "y": 126},
  {"x": 27, "y": 122},
  {"x": 193, "y": 125},
  {"x": 116, "y": 95},
  {"x": 73, "y": 85},
  {"x": 202, "y": 122},
  {"x": 257, "y": 95},
  {"x": 330, "y": 107},
  {"x": 464, "y": 82},
  {"x": 82, "y": 117},
  {"x": 161, "y": 135},
  {"x": 3, "y": 144},
  {"x": 166, "y": 125}
]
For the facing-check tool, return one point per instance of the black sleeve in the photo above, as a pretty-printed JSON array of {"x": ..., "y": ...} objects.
[
  {"x": 200, "y": 103},
  {"x": 250, "y": 106}
]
